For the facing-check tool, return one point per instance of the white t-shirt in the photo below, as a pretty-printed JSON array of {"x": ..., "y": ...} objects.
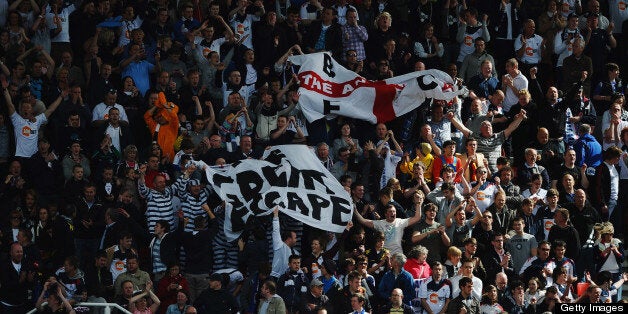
[
  {"x": 244, "y": 28},
  {"x": 101, "y": 112},
  {"x": 26, "y": 134},
  {"x": 114, "y": 133},
  {"x": 393, "y": 233},
  {"x": 510, "y": 99},
  {"x": 532, "y": 54},
  {"x": 484, "y": 198},
  {"x": 455, "y": 288},
  {"x": 64, "y": 15}
]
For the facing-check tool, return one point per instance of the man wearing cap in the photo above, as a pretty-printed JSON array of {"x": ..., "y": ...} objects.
[
  {"x": 100, "y": 114},
  {"x": 215, "y": 299},
  {"x": 194, "y": 200},
  {"x": 314, "y": 299}
]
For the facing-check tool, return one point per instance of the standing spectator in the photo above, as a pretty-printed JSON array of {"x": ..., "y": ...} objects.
[
  {"x": 521, "y": 245},
  {"x": 470, "y": 29},
  {"x": 242, "y": 21},
  {"x": 16, "y": 278},
  {"x": 392, "y": 226},
  {"x": 428, "y": 48},
  {"x": 576, "y": 68},
  {"x": 58, "y": 20},
  {"x": 512, "y": 83},
  {"x": 25, "y": 124},
  {"x": 497, "y": 259},
  {"x": 507, "y": 24},
  {"x": 283, "y": 247},
  {"x": 353, "y": 35},
  {"x": 293, "y": 284},
  {"x": 140, "y": 279},
  {"x": 186, "y": 24},
  {"x": 325, "y": 35},
  {"x": 314, "y": 300},
  {"x": 606, "y": 187},
  {"x": 430, "y": 234},
  {"x": 164, "y": 250},
  {"x": 562, "y": 230},
  {"x": 529, "y": 47},
  {"x": 159, "y": 198},
  {"x": 473, "y": 63},
  {"x": 163, "y": 124},
  {"x": 564, "y": 41}
]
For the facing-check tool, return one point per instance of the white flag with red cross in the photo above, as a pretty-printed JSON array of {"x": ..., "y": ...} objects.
[{"x": 328, "y": 88}]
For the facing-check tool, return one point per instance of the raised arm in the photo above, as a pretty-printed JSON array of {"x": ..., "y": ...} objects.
[
  {"x": 7, "y": 97},
  {"x": 414, "y": 219},
  {"x": 457, "y": 124},
  {"x": 56, "y": 103},
  {"x": 362, "y": 220},
  {"x": 515, "y": 124}
]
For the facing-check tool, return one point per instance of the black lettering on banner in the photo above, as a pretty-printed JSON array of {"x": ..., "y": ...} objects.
[
  {"x": 270, "y": 200},
  {"x": 271, "y": 176},
  {"x": 424, "y": 86},
  {"x": 250, "y": 184},
  {"x": 309, "y": 176},
  {"x": 275, "y": 157},
  {"x": 219, "y": 179},
  {"x": 317, "y": 203},
  {"x": 234, "y": 200},
  {"x": 254, "y": 205},
  {"x": 295, "y": 202},
  {"x": 237, "y": 219},
  {"x": 328, "y": 107},
  {"x": 339, "y": 206},
  {"x": 328, "y": 65}
]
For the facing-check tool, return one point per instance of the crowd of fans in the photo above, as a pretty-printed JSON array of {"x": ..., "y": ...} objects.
[{"x": 511, "y": 197}]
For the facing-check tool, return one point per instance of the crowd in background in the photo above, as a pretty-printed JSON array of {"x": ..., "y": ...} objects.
[{"x": 511, "y": 197}]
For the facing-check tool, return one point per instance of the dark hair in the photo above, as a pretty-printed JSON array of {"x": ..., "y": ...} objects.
[
  {"x": 164, "y": 224},
  {"x": 464, "y": 281},
  {"x": 293, "y": 257}
]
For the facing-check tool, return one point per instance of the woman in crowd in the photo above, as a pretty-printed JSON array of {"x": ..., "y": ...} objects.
[{"x": 345, "y": 140}]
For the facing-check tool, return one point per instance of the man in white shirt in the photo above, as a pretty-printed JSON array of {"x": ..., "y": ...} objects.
[
  {"x": 100, "y": 114},
  {"x": 467, "y": 271},
  {"x": 392, "y": 227},
  {"x": 512, "y": 83},
  {"x": 283, "y": 247},
  {"x": 25, "y": 124}
]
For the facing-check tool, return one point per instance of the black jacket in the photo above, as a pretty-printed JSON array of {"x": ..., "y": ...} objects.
[{"x": 333, "y": 38}]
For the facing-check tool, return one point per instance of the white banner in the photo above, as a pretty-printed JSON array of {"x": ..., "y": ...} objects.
[
  {"x": 288, "y": 176},
  {"x": 328, "y": 88}
]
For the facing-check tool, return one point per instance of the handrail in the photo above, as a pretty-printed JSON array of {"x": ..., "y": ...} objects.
[{"x": 107, "y": 307}]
